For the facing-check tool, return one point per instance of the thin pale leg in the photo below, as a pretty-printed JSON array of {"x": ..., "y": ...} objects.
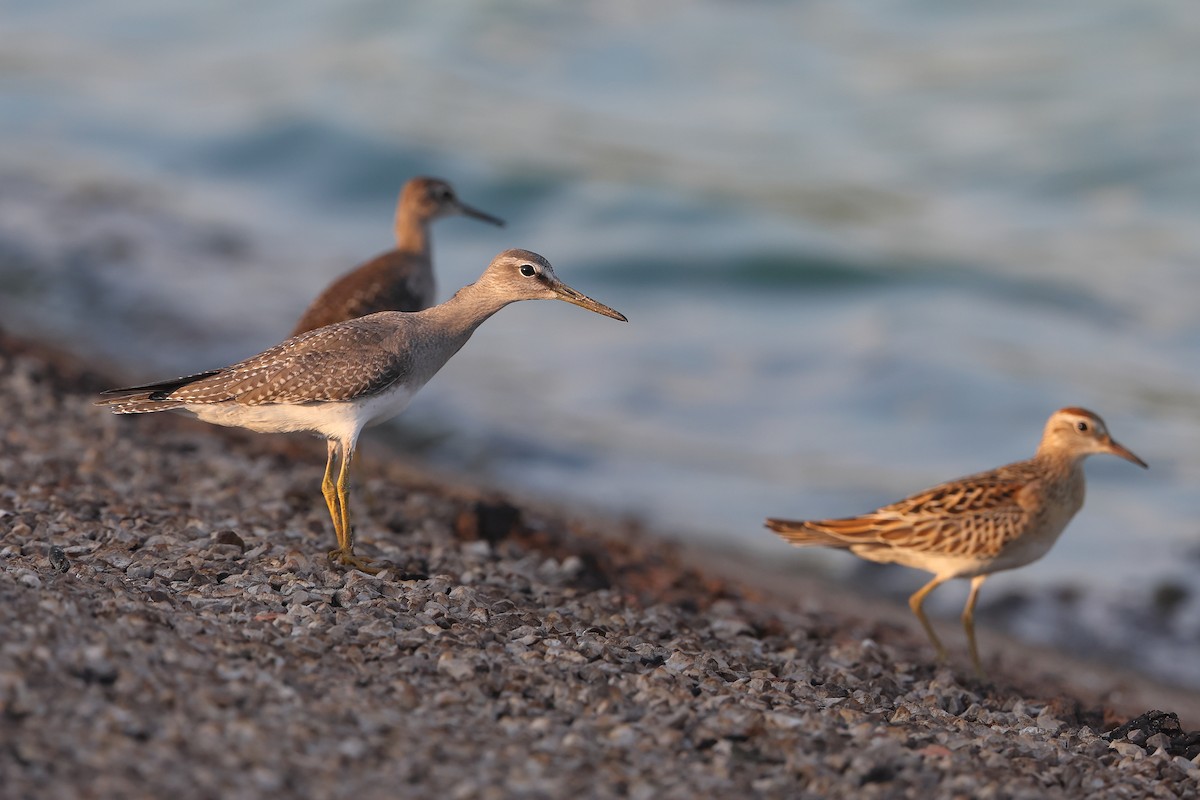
[
  {"x": 968, "y": 619},
  {"x": 345, "y": 552},
  {"x": 915, "y": 603}
]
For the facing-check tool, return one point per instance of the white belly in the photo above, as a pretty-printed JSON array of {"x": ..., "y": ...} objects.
[
  {"x": 1027, "y": 548},
  {"x": 341, "y": 421},
  {"x": 946, "y": 566}
]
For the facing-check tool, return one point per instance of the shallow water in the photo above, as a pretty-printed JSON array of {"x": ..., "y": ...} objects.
[{"x": 862, "y": 249}]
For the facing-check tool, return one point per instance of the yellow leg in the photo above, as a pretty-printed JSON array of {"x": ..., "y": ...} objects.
[
  {"x": 329, "y": 490},
  {"x": 344, "y": 554},
  {"x": 915, "y": 602},
  {"x": 968, "y": 619},
  {"x": 343, "y": 494}
]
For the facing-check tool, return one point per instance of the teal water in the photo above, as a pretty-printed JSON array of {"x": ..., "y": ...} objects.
[{"x": 863, "y": 247}]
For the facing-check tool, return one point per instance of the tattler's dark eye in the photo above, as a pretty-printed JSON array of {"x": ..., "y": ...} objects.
[
  {"x": 1081, "y": 426},
  {"x": 528, "y": 271}
]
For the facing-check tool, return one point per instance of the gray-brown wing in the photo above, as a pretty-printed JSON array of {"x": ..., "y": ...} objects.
[
  {"x": 382, "y": 284},
  {"x": 340, "y": 362}
]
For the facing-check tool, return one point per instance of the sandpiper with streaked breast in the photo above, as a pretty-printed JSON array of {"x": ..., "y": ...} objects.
[{"x": 974, "y": 526}]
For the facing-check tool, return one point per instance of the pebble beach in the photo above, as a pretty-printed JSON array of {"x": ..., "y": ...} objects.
[{"x": 173, "y": 628}]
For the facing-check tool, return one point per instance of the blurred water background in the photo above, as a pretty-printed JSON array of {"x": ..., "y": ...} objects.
[{"x": 863, "y": 247}]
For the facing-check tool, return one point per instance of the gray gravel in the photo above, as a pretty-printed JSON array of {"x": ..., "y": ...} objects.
[{"x": 171, "y": 629}]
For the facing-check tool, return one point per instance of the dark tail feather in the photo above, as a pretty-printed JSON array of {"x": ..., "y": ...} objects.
[
  {"x": 148, "y": 397},
  {"x": 159, "y": 390}
]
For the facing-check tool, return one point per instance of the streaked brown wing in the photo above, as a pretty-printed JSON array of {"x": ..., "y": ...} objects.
[
  {"x": 984, "y": 492},
  {"x": 977, "y": 515}
]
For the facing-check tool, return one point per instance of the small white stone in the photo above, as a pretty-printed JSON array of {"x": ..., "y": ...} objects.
[
  {"x": 1047, "y": 722},
  {"x": 1129, "y": 750},
  {"x": 622, "y": 736},
  {"x": 29, "y": 578}
]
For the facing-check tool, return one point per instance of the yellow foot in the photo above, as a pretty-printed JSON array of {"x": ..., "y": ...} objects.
[{"x": 347, "y": 559}]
